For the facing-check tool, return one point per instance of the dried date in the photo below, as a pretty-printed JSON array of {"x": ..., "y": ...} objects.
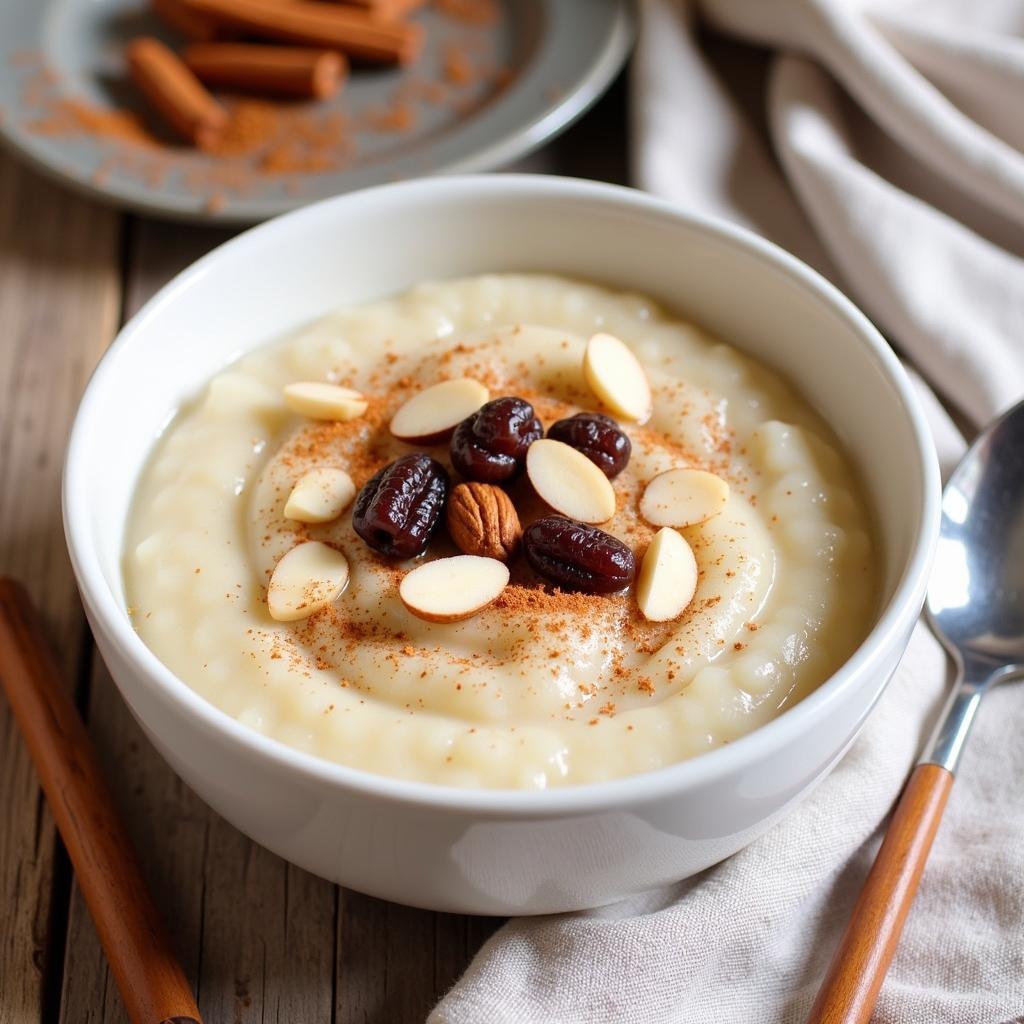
[
  {"x": 598, "y": 437},
  {"x": 577, "y": 556},
  {"x": 398, "y": 509},
  {"x": 490, "y": 446}
]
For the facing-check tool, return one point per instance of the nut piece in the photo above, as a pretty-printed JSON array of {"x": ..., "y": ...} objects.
[
  {"x": 431, "y": 415},
  {"x": 683, "y": 497},
  {"x": 668, "y": 577},
  {"x": 617, "y": 378},
  {"x": 483, "y": 521},
  {"x": 321, "y": 401},
  {"x": 569, "y": 482},
  {"x": 308, "y": 578},
  {"x": 321, "y": 495},
  {"x": 449, "y": 589}
]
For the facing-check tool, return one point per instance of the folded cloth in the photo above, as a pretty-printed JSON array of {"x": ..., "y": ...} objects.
[
  {"x": 897, "y": 172},
  {"x": 888, "y": 186}
]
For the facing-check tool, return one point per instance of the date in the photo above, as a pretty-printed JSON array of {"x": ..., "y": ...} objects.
[
  {"x": 398, "y": 509},
  {"x": 577, "y": 556},
  {"x": 490, "y": 445},
  {"x": 598, "y": 437}
]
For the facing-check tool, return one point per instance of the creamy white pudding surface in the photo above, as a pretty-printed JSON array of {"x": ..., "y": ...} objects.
[{"x": 543, "y": 687}]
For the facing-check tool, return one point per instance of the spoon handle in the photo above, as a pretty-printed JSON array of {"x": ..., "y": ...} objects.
[{"x": 850, "y": 989}]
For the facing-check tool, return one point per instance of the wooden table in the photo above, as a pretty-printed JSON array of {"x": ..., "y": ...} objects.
[{"x": 261, "y": 940}]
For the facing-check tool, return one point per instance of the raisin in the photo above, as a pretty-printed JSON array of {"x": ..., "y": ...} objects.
[
  {"x": 398, "y": 509},
  {"x": 577, "y": 556},
  {"x": 598, "y": 437},
  {"x": 490, "y": 446}
]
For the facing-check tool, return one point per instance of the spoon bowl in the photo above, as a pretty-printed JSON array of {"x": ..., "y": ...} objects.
[
  {"x": 976, "y": 594},
  {"x": 975, "y": 605}
]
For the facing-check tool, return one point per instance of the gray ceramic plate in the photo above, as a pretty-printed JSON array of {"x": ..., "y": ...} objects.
[{"x": 480, "y": 96}]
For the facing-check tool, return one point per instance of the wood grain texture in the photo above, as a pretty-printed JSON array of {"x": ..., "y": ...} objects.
[
  {"x": 850, "y": 990},
  {"x": 169, "y": 828},
  {"x": 151, "y": 982},
  {"x": 395, "y": 962},
  {"x": 59, "y": 297}
]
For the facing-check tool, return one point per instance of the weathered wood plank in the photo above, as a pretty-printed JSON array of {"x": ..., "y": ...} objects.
[
  {"x": 59, "y": 298},
  {"x": 394, "y": 962},
  {"x": 169, "y": 827}
]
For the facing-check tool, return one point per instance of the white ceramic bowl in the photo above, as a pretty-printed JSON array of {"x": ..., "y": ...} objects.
[{"x": 499, "y": 852}]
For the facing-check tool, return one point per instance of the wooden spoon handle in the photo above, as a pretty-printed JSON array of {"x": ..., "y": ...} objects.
[
  {"x": 850, "y": 989},
  {"x": 151, "y": 981}
]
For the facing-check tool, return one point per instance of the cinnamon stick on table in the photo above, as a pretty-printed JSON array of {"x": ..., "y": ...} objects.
[
  {"x": 175, "y": 92},
  {"x": 141, "y": 958},
  {"x": 279, "y": 70},
  {"x": 327, "y": 26}
]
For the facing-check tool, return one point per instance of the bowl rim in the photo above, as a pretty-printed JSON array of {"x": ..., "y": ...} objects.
[{"x": 891, "y": 627}]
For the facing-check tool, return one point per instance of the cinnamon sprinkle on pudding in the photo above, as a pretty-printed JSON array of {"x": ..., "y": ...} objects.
[{"x": 472, "y": 680}]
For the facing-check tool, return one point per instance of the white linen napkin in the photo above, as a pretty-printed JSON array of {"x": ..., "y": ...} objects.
[{"x": 899, "y": 129}]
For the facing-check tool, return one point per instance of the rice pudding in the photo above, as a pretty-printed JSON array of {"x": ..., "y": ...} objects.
[{"x": 737, "y": 574}]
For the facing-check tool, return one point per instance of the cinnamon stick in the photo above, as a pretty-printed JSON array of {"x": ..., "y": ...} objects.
[
  {"x": 385, "y": 10},
  {"x": 279, "y": 70},
  {"x": 328, "y": 27},
  {"x": 191, "y": 24},
  {"x": 151, "y": 981},
  {"x": 175, "y": 92}
]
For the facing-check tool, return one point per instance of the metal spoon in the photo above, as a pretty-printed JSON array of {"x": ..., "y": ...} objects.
[{"x": 976, "y": 608}]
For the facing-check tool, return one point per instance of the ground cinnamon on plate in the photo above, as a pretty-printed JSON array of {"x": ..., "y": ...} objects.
[
  {"x": 398, "y": 116},
  {"x": 74, "y": 117},
  {"x": 456, "y": 66},
  {"x": 263, "y": 143}
]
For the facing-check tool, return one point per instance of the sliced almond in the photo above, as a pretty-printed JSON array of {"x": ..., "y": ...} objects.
[
  {"x": 308, "y": 578},
  {"x": 450, "y": 589},
  {"x": 569, "y": 482},
  {"x": 683, "y": 497},
  {"x": 615, "y": 375},
  {"x": 322, "y": 401},
  {"x": 668, "y": 577},
  {"x": 431, "y": 415},
  {"x": 321, "y": 495}
]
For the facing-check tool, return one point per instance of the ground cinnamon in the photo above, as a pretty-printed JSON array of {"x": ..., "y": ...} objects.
[
  {"x": 277, "y": 70},
  {"x": 175, "y": 92},
  {"x": 456, "y": 65},
  {"x": 317, "y": 24}
]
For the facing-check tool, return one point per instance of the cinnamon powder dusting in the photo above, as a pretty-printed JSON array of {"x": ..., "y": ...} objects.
[{"x": 537, "y": 627}]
